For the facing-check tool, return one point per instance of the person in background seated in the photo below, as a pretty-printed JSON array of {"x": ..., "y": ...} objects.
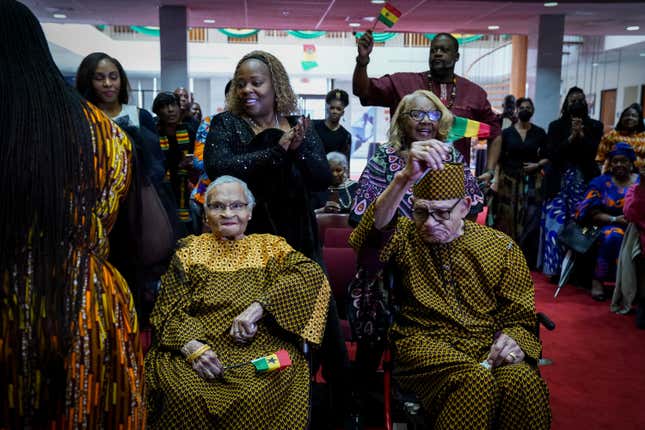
[
  {"x": 177, "y": 140},
  {"x": 635, "y": 213},
  {"x": 334, "y": 136},
  {"x": 516, "y": 204},
  {"x": 602, "y": 206},
  {"x": 464, "y": 337},
  {"x": 229, "y": 298},
  {"x": 572, "y": 142},
  {"x": 629, "y": 129},
  {"x": 196, "y": 112},
  {"x": 340, "y": 195}
]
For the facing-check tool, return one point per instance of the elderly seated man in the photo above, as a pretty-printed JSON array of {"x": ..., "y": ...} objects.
[
  {"x": 464, "y": 337},
  {"x": 227, "y": 299}
]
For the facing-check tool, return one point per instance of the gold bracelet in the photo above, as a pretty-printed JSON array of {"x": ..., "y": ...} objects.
[{"x": 198, "y": 353}]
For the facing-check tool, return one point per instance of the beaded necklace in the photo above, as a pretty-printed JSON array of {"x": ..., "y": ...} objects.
[
  {"x": 344, "y": 187},
  {"x": 257, "y": 126},
  {"x": 453, "y": 94}
]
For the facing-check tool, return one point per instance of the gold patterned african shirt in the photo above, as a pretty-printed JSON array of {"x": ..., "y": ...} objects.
[
  {"x": 208, "y": 284},
  {"x": 454, "y": 299}
]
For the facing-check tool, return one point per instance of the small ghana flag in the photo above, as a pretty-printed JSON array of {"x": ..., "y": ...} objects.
[
  {"x": 464, "y": 127},
  {"x": 276, "y": 361},
  {"x": 309, "y": 57},
  {"x": 389, "y": 15}
]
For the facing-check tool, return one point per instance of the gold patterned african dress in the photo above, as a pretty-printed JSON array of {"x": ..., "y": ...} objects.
[
  {"x": 454, "y": 299},
  {"x": 93, "y": 378},
  {"x": 209, "y": 283}
]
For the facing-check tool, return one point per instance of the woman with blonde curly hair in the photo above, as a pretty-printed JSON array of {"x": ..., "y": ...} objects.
[{"x": 419, "y": 125}]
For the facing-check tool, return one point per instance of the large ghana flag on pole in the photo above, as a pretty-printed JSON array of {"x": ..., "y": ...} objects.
[
  {"x": 464, "y": 127},
  {"x": 389, "y": 15}
]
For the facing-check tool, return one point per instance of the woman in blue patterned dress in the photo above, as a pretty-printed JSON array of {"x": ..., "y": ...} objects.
[{"x": 603, "y": 206}]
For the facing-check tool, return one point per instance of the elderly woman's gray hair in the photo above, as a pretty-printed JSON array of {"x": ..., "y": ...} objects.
[
  {"x": 338, "y": 158},
  {"x": 226, "y": 179}
]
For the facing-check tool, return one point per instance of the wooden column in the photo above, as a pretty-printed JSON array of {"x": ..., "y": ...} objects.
[{"x": 518, "y": 68}]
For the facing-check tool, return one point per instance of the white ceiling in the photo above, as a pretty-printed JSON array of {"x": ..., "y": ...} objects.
[{"x": 513, "y": 17}]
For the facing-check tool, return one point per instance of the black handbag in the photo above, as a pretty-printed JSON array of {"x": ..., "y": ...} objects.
[
  {"x": 579, "y": 238},
  {"x": 367, "y": 310}
]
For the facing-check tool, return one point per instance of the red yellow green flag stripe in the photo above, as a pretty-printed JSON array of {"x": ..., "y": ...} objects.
[
  {"x": 464, "y": 127},
  {"x": 275, "y": 361},
  {"x": 389, "y": 15}
]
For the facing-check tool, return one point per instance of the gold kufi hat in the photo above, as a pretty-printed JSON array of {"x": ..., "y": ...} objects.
[{"x": 446, "y": 184}]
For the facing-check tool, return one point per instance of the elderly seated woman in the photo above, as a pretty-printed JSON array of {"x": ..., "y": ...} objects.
[
  {"x": 339, "y": 196},
  {"x": 603, "y": 207},
  {"x": 228, "y": 298}
]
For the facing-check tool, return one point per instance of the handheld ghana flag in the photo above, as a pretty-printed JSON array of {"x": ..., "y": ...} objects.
[
  {"x": 389, "y": 15},
  {"x": 276, "y": 361},
  {"x": 464, "y": 127}
]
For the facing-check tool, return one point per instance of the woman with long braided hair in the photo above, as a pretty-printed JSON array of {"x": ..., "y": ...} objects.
[{"x": 69, "y": 348}]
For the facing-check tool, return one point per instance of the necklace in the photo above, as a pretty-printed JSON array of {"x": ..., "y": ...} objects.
[
  {"x": 449, "y": 102},
  {"x": 257, "y": 126},
  {"x": 344, "y": 205}
]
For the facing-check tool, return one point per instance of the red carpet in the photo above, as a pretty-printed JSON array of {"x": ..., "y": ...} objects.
[{"x": 597, "y": 379}]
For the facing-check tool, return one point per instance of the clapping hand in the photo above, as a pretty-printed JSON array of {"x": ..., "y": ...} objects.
[
  {"x": 577, "y": 127},
  {"x": 292, "y": 139}
]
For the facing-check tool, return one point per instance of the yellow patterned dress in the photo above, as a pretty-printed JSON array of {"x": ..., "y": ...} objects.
[
  {"x": 454, "y": 298},
  {"x": 208, "y": 284},
  {"x": 636, "y": 140},
  {"x": 98, "y": 382}
]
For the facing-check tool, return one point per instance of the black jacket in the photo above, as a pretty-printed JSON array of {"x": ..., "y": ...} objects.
[
  {"x": 562, "y": 154},
  {"x": 281, "y": 181}
]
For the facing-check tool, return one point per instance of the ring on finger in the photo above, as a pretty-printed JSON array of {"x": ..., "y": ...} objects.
[{"x": 512, "y": 355}]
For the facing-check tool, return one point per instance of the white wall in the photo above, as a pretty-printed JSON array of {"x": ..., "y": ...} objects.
[{"x": 594, "y": 69}]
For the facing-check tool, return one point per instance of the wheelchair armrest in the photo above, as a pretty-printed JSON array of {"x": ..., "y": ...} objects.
[{"x": 545, "y": 321}]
